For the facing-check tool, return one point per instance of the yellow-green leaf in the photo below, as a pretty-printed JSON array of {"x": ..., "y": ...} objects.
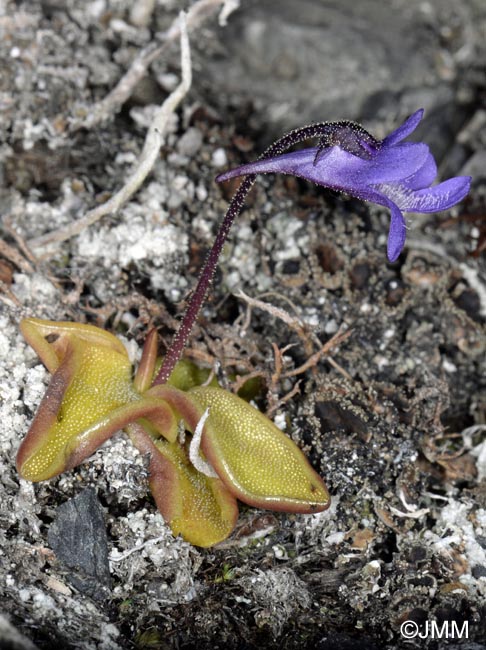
[
  {"x": 195, "y": 506},
  {"x": 90, "y": 397},
  {"x": 186, "y": 375},
  {"x": 257, "y": 462},
  {"x": 92, "y": 379},
  {"x": 49, "y": 338}
]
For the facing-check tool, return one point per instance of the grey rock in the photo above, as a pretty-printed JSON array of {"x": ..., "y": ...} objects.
[
  {"x": 78, "y": 538},
  {"x": 190, "y": 142},
  {"x": 306, "y": 61},
  {"x": 11, "y": 638}
]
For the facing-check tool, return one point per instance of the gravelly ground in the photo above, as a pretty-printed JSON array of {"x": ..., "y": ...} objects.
[{"x": 395, "y": 421}]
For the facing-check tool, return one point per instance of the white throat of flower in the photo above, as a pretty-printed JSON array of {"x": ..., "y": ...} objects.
[
  {"x": 408, "y": 200},
  {"x": 400, "y": 195}
]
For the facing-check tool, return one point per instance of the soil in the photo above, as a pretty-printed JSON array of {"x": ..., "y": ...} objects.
[{"x": 394, "y": 418}]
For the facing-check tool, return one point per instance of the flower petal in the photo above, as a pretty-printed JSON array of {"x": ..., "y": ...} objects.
[
  {"x": 395, "y": 174},
  {"x": 396, "y": 233},
  {"x": 287, "y": 163},
  {"x": 339, "y": 169},
  {"x": 394, "y": 164},
  {"x": 398, "y": 228},
  {"x": 440, "y": 197},
  {"x": 405, "y": 129},
  {"x": 424, "y": 176}
]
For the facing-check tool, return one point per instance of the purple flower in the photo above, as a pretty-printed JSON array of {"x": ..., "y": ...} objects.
[{"x": 392, "y": 173}]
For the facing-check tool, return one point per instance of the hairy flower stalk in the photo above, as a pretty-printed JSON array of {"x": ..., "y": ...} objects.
[{"x": 174, "y": 353}]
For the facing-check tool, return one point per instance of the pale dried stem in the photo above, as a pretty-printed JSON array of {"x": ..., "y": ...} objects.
[
  {"x": 150, "y": 152},
  {"x": 300, "y": 328},
  {"x": 303, "y": 331},
  {"x": 332, "y": 362},
  {"x": 241, "y": 380},
  {"x": 211, "y": 358},
  {"x": 296, "y": 389},
  {"x": 200, "y": 355},
  {"x": 272, "y": 393},
  {"x": 9, "y": 296},
  {"x": 312, "y": 361},
  {"x": 13, "y": 255},
  {"x": 246, "y": 320},
  {"x": 294, "y": 323},
  {"x": 278, "y": 363},
  {"x": 228, "y": 8},
  {"x": 115, "y": 99},
  {"x": 21, "y": 243},
  {"x": 135, "y": 549}
]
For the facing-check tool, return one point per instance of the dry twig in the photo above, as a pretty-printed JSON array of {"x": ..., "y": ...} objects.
[
  {"x": 13, "y": 255},
  {"x": 153, "y": 142},
  {"x": 303, "y": 332},
  {"x": 115, "y": 99},
  {"x": 20, "y": 241},
  {"x": 9, "y": 296},
  {"x": 241, "y": 380},
  {"x": 279, "y": 361},
  {"x": 287, "y": 397},
  {"x": 338, "y": 338},
  {"x": 300, "y": 328}
]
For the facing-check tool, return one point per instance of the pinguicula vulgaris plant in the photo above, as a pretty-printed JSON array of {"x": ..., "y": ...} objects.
[{"x": 231, "y": 450}]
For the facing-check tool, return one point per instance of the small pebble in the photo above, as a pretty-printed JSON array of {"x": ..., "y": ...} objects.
[{"x": 218, "y": 159}]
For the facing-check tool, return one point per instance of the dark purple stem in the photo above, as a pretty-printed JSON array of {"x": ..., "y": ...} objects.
[{"x": 180, "y": 338}]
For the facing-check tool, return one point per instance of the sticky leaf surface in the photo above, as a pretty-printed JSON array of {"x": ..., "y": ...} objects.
[{"x": 257, "y": 462}]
